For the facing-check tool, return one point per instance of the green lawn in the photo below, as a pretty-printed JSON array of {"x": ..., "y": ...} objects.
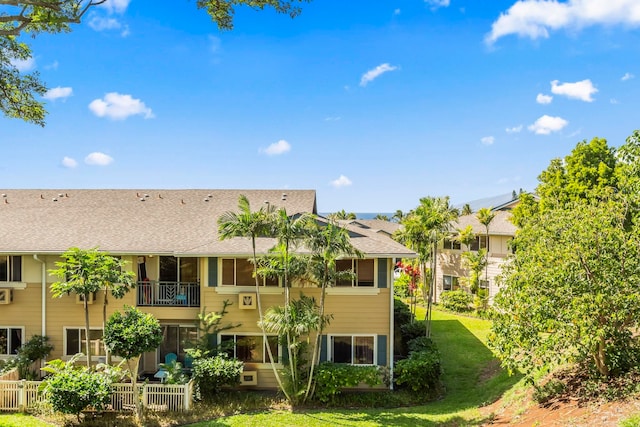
[{"x": 471, "y": 376}]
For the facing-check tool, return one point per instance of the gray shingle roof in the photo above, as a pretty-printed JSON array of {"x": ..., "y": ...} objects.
[
  {"x": 181, "y": 222},
  {"x": 500, "y": 226}
]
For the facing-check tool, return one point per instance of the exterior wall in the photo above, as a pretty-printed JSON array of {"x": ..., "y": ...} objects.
[
  {"x": 450, "y": 263},
  {"x": 356, "y": 311}
]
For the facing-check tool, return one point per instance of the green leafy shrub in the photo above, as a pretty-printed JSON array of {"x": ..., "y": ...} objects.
[
  {"x": 421, "y": 370},
  {"x": 71, "y": 389},
  {"x": 175, "y": 373},
  {"x": 458, "y": 301},
  {"x": 544, "y": 393},
  {"x": 212, "y": 373},
  {"x": 36, "y": 348},
  {"x": 401, "y": 312},
  {"x": 413, "y": 330},
  {"x": 332, "y": 378},
  {"x": 401, "y": 286},
  {"x": 422, "y": 343}
]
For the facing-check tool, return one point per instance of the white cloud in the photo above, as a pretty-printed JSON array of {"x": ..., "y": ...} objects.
[
  {"x": 535, "y": 18},
  {"x": 397, "y": 11},
  {"x": 581, "y": 90},
  {"x": 487, "y": 140},
  {"x": 57, "y": 93},
  {"x": 68, "y": 162},
  {"x": 342, "y": 181},
  {"x": 118, "y": 107},
  {"x": 435, "y": 4},
  {"x": 627, "y": 76},
  {"x": 374, "y": 73},
  {"x": 99, "y": 23},
  {"x": 98, "y": 159},
  {"x": 277, "y": 148},
  {"x": 547, "y": 124},
  {"x": 116, "y": 6},
  {"x": 24, "y": 65},
  {"x": 214, "y": 44},
  {"x": 544, "y": 99},
  {"x": 515, "y": 129}
]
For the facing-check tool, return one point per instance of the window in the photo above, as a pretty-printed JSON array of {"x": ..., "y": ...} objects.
[
  {"x": 356, "y": 349},
  {"x": 239, "y": 272},
  {"x": 479, "y": 243},
  {"x": 484, "y": 284},
  {"x": 250, "y": 348},
  {"x": 452, "y": 244},
  {"x": 364, "y": 270},
  {"x": 175, "y": 339},
  {"x": 76, "y": 341},
  {"x": 10, "y": 340},
  {"x": 450, "y": 283},
  {"x": 10, "y": 268},
  {"x": 176, "y": 269}
]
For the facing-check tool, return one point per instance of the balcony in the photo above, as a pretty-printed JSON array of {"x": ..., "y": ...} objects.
[{"x": 152, "y": 293}]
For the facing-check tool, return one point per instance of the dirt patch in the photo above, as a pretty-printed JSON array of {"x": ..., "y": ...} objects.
[
  {"x": 562, "y": 414},
  {"x": 489, "y": 371}
]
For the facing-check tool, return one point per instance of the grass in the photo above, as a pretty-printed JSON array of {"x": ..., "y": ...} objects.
[
  {"x": 472, "y": 378},
  {"x": 21, "y": 420}
]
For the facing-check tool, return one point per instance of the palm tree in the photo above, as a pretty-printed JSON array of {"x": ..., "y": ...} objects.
[
  {"x": 398, "y": 216},
  {"x": 327, "y": 244},
  {"x": 381, "y": 217},
  {"x": 485, "y": 216},
  {"x": 466, "y": 209},
  {"x": 342, "y": 214},
  {"x": 424, "y": 227},
  {"x": 252, "y": 224},
  {"x": 466, "y": 236}
]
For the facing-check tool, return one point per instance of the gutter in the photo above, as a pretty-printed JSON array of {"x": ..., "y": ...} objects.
[{"x": 44, "y": 297}]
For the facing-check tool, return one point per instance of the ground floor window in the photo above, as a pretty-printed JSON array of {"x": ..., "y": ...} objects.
[
  {"x": 76, "y": 341},
  {"x": 250, "y": 348},
  {"x": 450, "y": 283},
  {"x": 10, "y": 340},
  {"x": 175, "y": 339},
  {"x": 353, "y": 349}
]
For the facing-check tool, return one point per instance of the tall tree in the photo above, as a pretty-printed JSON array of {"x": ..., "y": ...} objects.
[
  {"x": 424, "y": 227},
  {"x": 485, "y": 216},
  {"x": 342, "y": 215},
  {"x": 17, "y": 17},
  {"x": 398, "y": 216},
  {"x": 466, "y": 209},
  {"x": 83, "y": 272},
  {"x": 252, "y": 225}
]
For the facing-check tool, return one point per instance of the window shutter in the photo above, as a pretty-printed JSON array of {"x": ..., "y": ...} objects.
[
  {"x": 382, "y": 350},
  {"x": 323, "y": 348},
  {"x": 213, "y": 272},
  {"x": 213, "y": 340},
  {"x": 382, "y": 273}
]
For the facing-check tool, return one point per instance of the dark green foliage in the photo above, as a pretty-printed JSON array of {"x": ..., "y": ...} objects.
[
  {"x": 420, "y": 372},
  {"x": 551, "y": 389},
  {"x": 175, "y": 373},
  {"x": 212, "y": 373},
  {"x": 332, "y": 378},
  {"x": 130, "y": 334},
  {"x": 422, "y": 344},
  {"x": 35, "y": 349},
  {"x": 209, "y": 326},
  {"x": 458, "y": 301},
  {"x": 413, "y": 330},
  {"x": 401, "y": 312},
  {"x": 72, "y": 389}
]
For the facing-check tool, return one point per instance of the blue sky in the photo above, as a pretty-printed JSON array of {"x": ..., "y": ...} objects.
[{"x": 373, "y": 103}]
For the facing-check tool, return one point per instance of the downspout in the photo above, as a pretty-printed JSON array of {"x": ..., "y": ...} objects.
[
  {"x": 391, "y": 324},
  {"x": 44, "y": 298}
]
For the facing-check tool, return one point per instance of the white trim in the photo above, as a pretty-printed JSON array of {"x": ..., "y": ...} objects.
[
  {"x": 355, "y": 290},
  {"x": 234, "y": 290},
  {"x": 375, "y": 347},
  {"x": 13, "y": 285},
  {"x": 9, "y": 355}
]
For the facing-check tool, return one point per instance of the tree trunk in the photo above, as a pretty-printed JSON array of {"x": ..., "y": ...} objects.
[
  {"x": 600, "y": 358},
  {"x": 104, "y": 322},
  {"x": 87, "y": 330}
]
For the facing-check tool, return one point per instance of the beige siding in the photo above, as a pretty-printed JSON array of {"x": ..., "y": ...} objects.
[{"x": 24, "y": 311}]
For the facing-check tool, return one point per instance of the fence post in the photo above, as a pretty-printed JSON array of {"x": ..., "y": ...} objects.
[
  {"x": 22, "y": 395},
  {"x": 145, "y": 396},
  {"x": 187, "y": 396}
]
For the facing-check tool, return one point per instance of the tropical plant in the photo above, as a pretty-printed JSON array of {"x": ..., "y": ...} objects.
[
  {"x": 35, "y": 349},
  {"x": 341, "y": 215},
  {"x": 332, "y": 378},
  {"x": 209, "y": 326},
  {"x": 84, "y": 272},
  {"x": 424, "y": 227},
  {"x": 382, "y": 217},
  {"x": 212, "y": 373},
  {"x": 458, "y": 300},
  {"x": 131, "y": 334},
  {"x": 485, "y": 216}
]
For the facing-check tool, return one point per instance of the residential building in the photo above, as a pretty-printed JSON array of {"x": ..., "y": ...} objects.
[
  {"x": 170, "y": 240},
  {"x": 451, "y": 272}
]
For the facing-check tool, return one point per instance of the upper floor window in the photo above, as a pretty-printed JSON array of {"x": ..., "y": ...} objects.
[
  {"x": 10, "y": 340},
  {"x": 177, "y": 269},
  {"x": 353, "y": 349},
  {"x": 451, "y": 244},
  {"x": 10, "y": 268},
  {"x": 250, "y": 348},
  {"x": 479, "y": 243},
  {"x": 363, "y": 268},
  {"x": 239, "y": 272}
]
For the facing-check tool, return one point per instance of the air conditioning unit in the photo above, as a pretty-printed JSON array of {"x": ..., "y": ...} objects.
[
  {"x": 247, "y": 301},
  {"x": 80, "y": 298},
  {"x": 249, "y": 378},
  {"x": 6, "y": 296}
]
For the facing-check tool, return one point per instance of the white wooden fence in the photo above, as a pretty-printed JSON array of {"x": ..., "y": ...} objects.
[{"x": 23, "y": 395}]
